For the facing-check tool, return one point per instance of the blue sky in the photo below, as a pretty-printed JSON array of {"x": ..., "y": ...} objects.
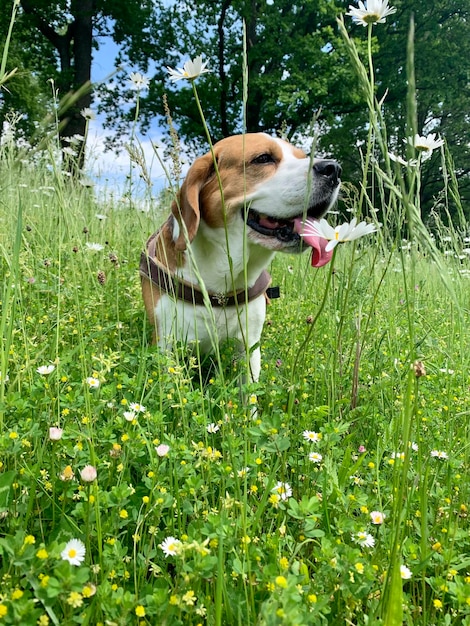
[{"x": 110, "y": 168}]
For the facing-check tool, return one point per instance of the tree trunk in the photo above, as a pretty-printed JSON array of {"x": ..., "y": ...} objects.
[
  {"x": 74, "y": 48},
  {"x": 255, "y": 96},
  {"x": 72, "y": 122}
]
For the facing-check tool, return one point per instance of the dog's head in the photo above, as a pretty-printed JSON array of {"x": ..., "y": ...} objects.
[{"x": 263, "y": 181}]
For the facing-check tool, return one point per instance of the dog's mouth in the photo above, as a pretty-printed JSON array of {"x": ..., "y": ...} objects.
[
  {"x": 286, "y": 230},
  {"x": 281, "y": 229},
  {"x": 293, "y": 233}
]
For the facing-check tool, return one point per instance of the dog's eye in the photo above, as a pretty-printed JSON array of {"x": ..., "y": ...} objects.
[{"x": 263, "y": 158}]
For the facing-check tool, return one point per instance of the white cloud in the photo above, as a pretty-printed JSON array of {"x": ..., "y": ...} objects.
[{"x": 112, "y": 170}]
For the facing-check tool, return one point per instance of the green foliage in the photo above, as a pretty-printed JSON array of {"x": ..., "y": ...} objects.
[
  {"x": 297, "y": 66},
  {"x": 245, "y": 553}
]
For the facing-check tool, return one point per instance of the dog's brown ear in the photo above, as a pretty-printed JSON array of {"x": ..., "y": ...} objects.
[{"x": 186, "y": 208}]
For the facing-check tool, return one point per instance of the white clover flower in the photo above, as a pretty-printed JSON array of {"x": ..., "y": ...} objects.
[
  {"x": 405, "y": 572},
  {"x": 88, "y": 113},
  {"x": 425, "y": 145},
  {"x": 92, "y": 382},
  {"x": 137, "y": 408},
  {"x": 365, "y": 540},
  {"x": 138, "y": 81},
  {"x": 439, "y": 454},
  {"x": 190, "y": 71},
  {"x": 88, "y": 474},
  {"x": 315, "y": 457},
  {"x": 96, "y": 247},
  {"x": 212, "y": 428},
  {"x": 74, "y": 552},
  {"x": 371, "y": 12},
  {"x": 55, "y": 434},
  {"x": 283, "y": 490},
  {"x": 349, "y": 231},
  {"x": 170, "y": 546},
  {"x": 162, "y": 449},
  {"x": 377, "y": 517},
  {"x": 310, "y": 435},
  {"x": 44, "y": 370}
]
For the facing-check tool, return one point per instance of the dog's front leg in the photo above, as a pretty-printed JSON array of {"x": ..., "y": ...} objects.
[
  {"x": 255, "y": 321},
  {"x": 255, "y": 364}
]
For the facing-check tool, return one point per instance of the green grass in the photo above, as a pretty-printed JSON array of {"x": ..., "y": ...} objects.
[{"x": 246, "y": 555}]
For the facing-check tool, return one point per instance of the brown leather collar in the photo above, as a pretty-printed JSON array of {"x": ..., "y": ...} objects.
[{"x": 181, "y": 290}]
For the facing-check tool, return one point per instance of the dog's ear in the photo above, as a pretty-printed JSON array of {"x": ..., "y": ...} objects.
[{"x": 186, "y": 208}]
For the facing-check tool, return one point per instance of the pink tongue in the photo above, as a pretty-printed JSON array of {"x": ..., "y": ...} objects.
[{"x": 318, "y": 244}]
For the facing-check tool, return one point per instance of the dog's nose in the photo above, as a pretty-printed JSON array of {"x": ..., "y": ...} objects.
[{"x": 329, "y": 169}]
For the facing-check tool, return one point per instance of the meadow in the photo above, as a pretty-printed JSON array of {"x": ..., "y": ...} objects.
[{"x": 144, "y": 487}]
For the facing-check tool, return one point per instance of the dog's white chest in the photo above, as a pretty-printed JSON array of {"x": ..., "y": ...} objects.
[{"x": 188, "y": 323}]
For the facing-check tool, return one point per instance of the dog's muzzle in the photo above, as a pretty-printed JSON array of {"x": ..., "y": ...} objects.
[
  {"x": 283, "y": 230},
  {"x": 326, "y": 179}
]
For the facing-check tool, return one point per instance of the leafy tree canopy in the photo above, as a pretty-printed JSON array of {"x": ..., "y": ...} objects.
[{"x": 295, "y": 62}]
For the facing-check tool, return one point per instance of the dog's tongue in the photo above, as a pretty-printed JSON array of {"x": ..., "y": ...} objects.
[{"x": 318, "y": 244}]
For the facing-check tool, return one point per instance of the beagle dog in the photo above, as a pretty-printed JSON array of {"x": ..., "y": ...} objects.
[{"x": 204, "y": 273}]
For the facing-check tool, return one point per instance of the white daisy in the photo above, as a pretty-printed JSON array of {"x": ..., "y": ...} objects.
[
  {"x": 425, "y": 145},
  {"x": 137, "y": 408},
  {"x": 96, "y": 247},
  {"x": 74, "y": 552},
  {"x": 310, "y": 435},
  {"x": 243, "y": 472},
  {"x": 92, "y": 382},
  {"x": 283, "y": 490},
  {"x": 44, "y": 370},
  {"x": 129, "y": 416},
  {"x": 88, "y": 113},
  {"x": 377, "y": 517},
  {"x": 76, "y": 139},
  {"x": 371, "y": 12},
  {"x": 138, "y": 81},
  {"x": 315, "y": 457},
  {"x": 170, "y": 546},
  {"x": 405, "y": 572},
  {"x": 439, "y": 454},
  {"x": 212, "y": 428},
  {"x": 349, "y": 231},
  {"x": 190, "y": 70},
  {"x": 398, "y": 159},
  {"x": 364, "y": 539}
]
